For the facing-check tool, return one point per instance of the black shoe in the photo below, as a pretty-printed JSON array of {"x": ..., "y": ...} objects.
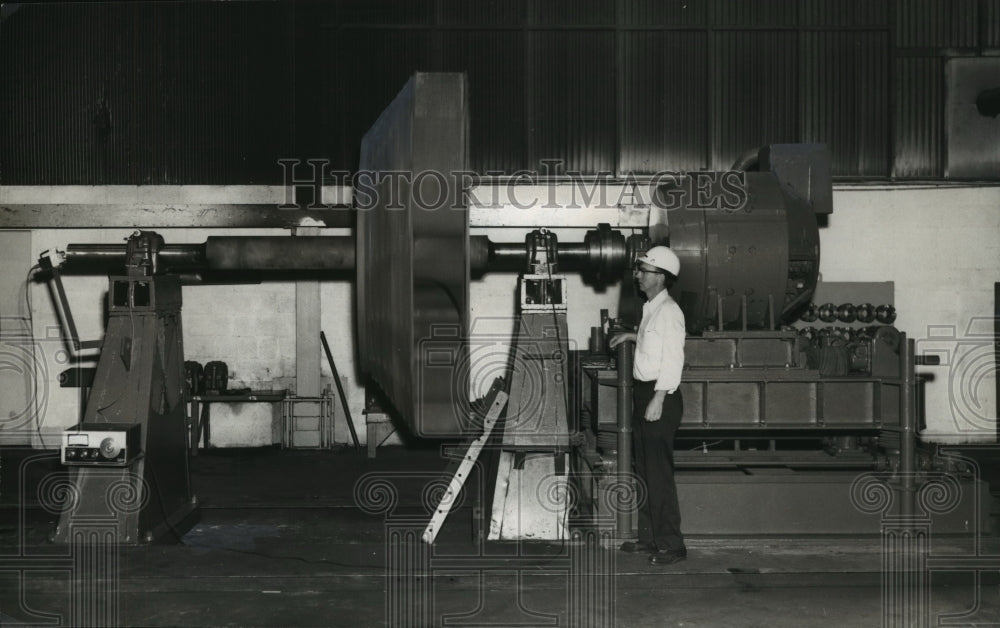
[
  {"x": 637, "y": 547},
  {"x": 668, "y": 557}
]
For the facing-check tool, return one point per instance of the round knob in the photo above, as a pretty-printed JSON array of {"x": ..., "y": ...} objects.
[{"x": 109, "y": 448}]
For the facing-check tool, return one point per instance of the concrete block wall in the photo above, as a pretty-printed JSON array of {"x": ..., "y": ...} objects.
[
  {"x": 249, "y": 327},
  {"x": 939, "y": 246}
]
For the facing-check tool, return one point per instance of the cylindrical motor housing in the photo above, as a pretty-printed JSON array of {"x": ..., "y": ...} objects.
[{"x": 753, "y": 267}]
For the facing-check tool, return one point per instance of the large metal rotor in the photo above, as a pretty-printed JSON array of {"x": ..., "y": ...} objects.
[{"x": 413, "y": 260}]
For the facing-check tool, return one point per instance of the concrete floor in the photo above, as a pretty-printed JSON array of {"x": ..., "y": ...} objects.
[{"x": 282, "y": 542}]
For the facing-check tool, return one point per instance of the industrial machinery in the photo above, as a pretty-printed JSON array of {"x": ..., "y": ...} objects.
[
  {"x": 129, "y": 465},
  {"x": 778, "y": 431}
]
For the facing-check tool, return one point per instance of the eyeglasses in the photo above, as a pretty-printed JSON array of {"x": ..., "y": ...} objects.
[{"x": 639, "y": 269}]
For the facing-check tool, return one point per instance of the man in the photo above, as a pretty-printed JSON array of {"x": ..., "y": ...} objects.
[{"x": 657, "y": 405}]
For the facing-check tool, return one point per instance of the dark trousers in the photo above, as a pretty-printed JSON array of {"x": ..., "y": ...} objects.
[{"x": 653, "y": 447}]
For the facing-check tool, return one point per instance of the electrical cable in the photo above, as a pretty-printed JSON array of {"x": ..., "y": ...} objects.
[
  {"x": 34, "y": 355},
  {"x": 26, "y": 286},
  {"x": 565, "y": 387},
  {"x": 555, "y": 320}
]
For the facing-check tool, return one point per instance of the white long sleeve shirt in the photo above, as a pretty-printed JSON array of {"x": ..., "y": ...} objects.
[{"x": 659, "y": 351}]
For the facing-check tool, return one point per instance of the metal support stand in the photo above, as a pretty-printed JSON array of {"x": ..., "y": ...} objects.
[
  {"x": 530, "y": 500},
  {"x": 906, "y": 537},
  {"x": 908, "y": 438},
  {"x": 625, "y": 515},
  {"x": 139, "y": 380}
]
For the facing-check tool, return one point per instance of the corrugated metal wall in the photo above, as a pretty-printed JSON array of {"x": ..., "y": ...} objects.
[
  {"x": 217, "y": 92},
  {"x": 143, "y": 93}
]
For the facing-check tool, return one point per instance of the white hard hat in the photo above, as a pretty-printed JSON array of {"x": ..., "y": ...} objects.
[{"x": 662, "y": 257}]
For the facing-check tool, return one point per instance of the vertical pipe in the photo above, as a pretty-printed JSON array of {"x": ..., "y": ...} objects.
[
  {"x": 996, "y": 349},
  {"x": 907, "y": 465},
  {"x": 625, "y": 512}
]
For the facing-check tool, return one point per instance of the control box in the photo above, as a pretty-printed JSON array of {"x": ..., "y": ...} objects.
[{"x": 100, "y": 444}]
